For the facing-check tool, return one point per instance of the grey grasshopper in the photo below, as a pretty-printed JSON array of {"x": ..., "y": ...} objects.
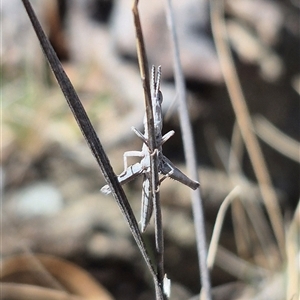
[{"x": 165, "y": 166}]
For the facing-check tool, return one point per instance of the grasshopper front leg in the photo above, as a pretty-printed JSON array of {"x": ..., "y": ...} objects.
[
  {"x": 140, "y": 135},
  {"x": 130, "y": 154},
  {"x": 129, "y": 174}
]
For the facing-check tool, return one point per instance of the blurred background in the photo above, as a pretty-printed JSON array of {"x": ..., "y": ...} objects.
[{"x": 50, "y": 181}]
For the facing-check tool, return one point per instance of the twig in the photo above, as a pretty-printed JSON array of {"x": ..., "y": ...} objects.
[
  {"x": 190, "y": 155},
  {"x": 244, "y": 122}
]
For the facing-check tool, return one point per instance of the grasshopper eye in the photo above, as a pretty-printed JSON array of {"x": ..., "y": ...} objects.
[{"x": 159, "y": 97}]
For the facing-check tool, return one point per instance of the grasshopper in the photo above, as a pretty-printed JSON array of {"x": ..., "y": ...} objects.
[{"x": 165, "y": 166}]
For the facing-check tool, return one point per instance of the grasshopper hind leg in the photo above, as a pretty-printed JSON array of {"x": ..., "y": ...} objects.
[{"x": 147, "y": 205}]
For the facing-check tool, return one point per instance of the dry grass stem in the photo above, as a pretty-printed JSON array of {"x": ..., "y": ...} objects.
[
  {"x": 252, "y": 209},
  {"x": 69, "y": 279},
  {"x": 154, "y": 186},
  {"x": 245, "y": 123},
  {"x": 190, "y": 154},
  {"x": 240, "y": 222},
  {"x": 218, "y": 226},
  {"x": 240, "y": 229},
  {"x": 238, "y": 267},
  {"x": 293, "y": 261},
  {"x": 276, "y": 138},
  {"x": 236, "y": 151}
]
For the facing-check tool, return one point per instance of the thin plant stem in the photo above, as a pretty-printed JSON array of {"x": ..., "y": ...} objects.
[
  {"x": 154, "y": 186},
  {"x": 252, "y": 208},
  {"x": 190, "y": 155},
  {"x": 244, "y": 121},
  {"x": 218, "y": 226},
  {"x": 276, "y": 138}
]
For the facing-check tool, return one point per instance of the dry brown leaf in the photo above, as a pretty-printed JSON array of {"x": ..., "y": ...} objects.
[{"x": 62, "y": 276}]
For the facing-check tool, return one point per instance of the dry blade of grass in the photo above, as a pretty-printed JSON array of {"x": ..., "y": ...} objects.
[
  {"x": 293, "y": 260},
  {"x": 212, "y": 250},
  {"x": 18, "y": 291},
  {"x": 238, "y": 267},
  {"x": 239, "y": 214},
  {"x": 253, "y": 235},
  {"x": 219, "y": 223},
  {"x": 262, "y": 233},
  {"x": 240, "y": 222},
  {"x": 244, "y": 121},
  {"x": 60, "y": 279},
  {"x": 252, "y": 209},
  {"x": 277, "y": 139},
  {"x": 190, "y": 154},
  {"x": 236, "y": 151},
  {"x": 240, "y": 229},
  {"x": 154, "y": 186}
]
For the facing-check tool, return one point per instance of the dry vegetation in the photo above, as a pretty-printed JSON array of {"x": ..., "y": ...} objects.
[{"x": 52, "y": 211}]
